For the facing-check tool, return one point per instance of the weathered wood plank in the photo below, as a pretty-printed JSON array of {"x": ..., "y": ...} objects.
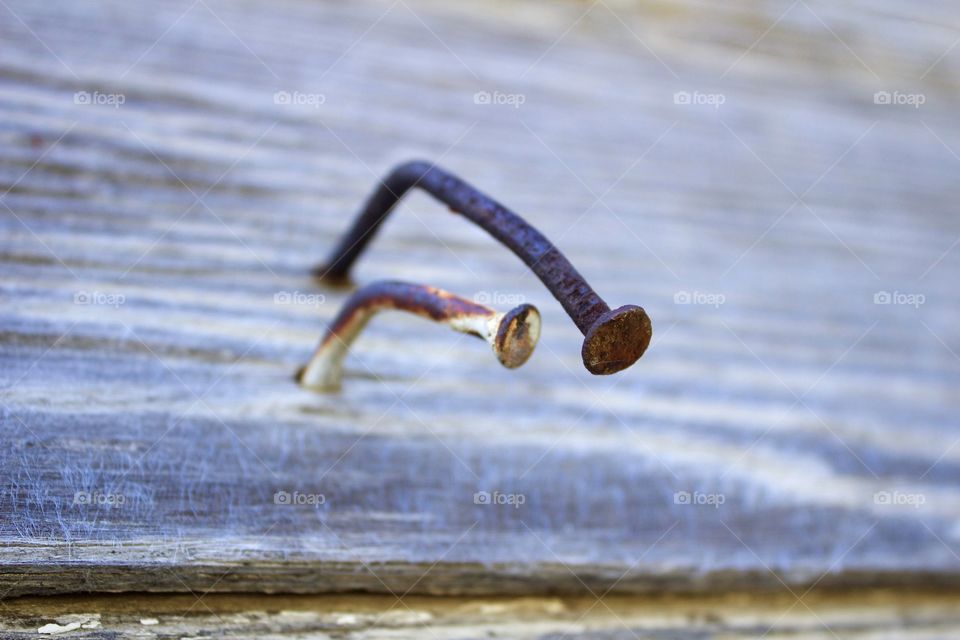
[
  {"x": 182, "y": 213},
  {"x": 869, "y": 614}
]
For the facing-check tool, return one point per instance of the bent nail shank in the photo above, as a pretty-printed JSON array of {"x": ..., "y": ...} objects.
[
  {"x": 512, "y": 335},
  {"x": 613, "y": 339}
]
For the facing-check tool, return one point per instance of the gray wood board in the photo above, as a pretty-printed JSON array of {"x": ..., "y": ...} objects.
[{"x": 150, "y": 249}]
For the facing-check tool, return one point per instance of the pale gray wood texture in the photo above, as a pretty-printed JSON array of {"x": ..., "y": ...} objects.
[{"x": 184, "y": 212}]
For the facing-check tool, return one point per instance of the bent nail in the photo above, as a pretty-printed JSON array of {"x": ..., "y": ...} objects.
[
  {"x": 512, "y": 335},
  {"x": 613, "y": 339}
]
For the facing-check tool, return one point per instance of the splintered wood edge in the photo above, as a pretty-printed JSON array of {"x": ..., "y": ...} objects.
[{"x": 852, "y": 613}]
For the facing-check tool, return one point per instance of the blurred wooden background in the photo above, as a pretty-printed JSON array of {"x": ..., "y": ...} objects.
[{"x": 762, "y": 177}]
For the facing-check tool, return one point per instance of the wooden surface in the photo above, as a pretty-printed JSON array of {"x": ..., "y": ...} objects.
[
  {"x": 867, "y": 615},
  {"x": 146, "y": 355}
]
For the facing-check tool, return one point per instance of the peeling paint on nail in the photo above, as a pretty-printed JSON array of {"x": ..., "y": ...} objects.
[{"x": 512, "y": 335}]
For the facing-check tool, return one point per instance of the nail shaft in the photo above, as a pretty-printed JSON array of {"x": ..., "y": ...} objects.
[
  {"x": 614, "y": 339},
  {"x": 512, "y": 335}
]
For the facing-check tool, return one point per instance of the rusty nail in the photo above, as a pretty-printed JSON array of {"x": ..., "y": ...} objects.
[
  {"x": 613, "y": 339},
  {"x": 513, "y": 334}
]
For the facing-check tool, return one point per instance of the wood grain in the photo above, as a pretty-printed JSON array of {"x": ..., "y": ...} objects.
[
  {"x": 869, "y": 614},
  {"x": 157, "y": 297}
]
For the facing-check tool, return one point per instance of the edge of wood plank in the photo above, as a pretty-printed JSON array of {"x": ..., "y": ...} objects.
[
  {"x": 818, "y": 614},
  {"x": 449, "y": 579}
]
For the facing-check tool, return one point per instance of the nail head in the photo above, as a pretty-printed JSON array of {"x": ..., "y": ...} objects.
[
  {"x": 517, "y": 335},
  {"x": 616, "y": 340}
]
